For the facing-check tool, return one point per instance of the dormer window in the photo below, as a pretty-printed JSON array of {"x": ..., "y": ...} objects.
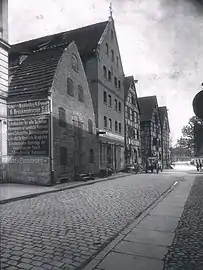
[{"x": 74, "y": 62}]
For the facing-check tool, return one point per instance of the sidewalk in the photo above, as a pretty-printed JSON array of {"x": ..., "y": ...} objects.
[
  {"x": 145, "y": 243},
  {"x": 13, "y": 192}
]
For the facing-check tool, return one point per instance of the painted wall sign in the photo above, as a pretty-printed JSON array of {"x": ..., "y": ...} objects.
[
  {"x": 27, "y": 108},
  {"x": 28, "y": 136}
]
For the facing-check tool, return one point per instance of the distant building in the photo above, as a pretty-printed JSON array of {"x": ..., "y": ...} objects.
[
  {"x": 180, "y": 154},
  {"x": 4, "y": 47},
  {"x": 150, "y": 128},
  {"x": 165, "y": 136},
  {"x": 132, "y": 123},
  {"x": 51, "y": 120}
]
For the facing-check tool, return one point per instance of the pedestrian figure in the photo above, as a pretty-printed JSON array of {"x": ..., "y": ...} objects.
[
  {"x": 157, "y": 166},
  {"x": 197, "y": 165},
  {"x": 200, "y": 165}
]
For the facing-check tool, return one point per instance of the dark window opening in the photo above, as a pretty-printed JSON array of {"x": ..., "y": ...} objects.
[
  {"x": 104, "y": 71},
  {"x": 116, "y": 105},
  {"x": 63, "y": 156},
  {"x": 80, "y": 93},
  {"x": 105, "y": 97},
  {"x": 105, "y": 122},
  {"x": 119, "y": 106},
  {"x": 115, "y": 82},
  {"x": 110, "y": 101},
  {"x": 112, "y": 55},
  {"x": 119, "y": 127},
  {"x": 107, "y": 49},
  {"x": 70, "y": 88},
  {"x": 90, "y": 126},
  {"x": 116, "y": 126},
  {"x": 109, "y": 75},
  {"x": 62, "y": 117},
  {"x": 110, "y": 124},
  {"x": 119, "y": 84}
]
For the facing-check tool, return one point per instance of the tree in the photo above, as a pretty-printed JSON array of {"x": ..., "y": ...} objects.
[{"x": 187, "y": 140}]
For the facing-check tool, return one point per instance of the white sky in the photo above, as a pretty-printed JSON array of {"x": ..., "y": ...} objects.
[{"x": 160, "y": 42}]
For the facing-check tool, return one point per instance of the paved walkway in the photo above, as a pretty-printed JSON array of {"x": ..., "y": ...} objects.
[{"x": 146, "y": 242}]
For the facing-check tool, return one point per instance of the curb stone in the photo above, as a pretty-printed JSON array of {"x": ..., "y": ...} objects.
[{"x": 91, "y": 182}]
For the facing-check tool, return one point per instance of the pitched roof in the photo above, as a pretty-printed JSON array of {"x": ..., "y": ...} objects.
[
  {"x": 86, "y": 39},
  {"x": 36, "y": 72},
  {"x": 127, "y": 83},
  {"x": 146, "y": 105}
]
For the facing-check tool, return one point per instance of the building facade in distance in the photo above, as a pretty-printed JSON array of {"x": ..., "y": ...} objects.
[
  {"x": 51, "y": 121},
  {"x": 132, "y": 123},
  {"x": 150, "y": 126},
  {"x": 165, "y": 136},
  {"x": 4, "y": 47}
]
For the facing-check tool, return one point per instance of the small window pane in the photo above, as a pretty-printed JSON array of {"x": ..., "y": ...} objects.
[
  {"x": 104, "y": 71},
  {"x": 62, "y": 117},
  {"x": 105, "y": 121},
  {"x": 116, "y": 126},
  {"x": 109, "y": 75},
  {"x": 80, "y": 93},
  {"x": 74, "y": 61},
  {"x": 70, "y": 89},
  {"x": 105, "y": 97},
  {"x": 90, "y": 126},
  {"x": 110, "y": 101},
  {"x": 116, "y": 105},
  {"x": 119, "y": 127},
  {"x": 107, "y": 49},
  {"x": 119, "y": 106},
  {"x": 110, "y": 123}
]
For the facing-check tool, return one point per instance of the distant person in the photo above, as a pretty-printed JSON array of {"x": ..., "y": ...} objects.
[
  {"x": 200, "y": 165},
  {"x": 157, "y": 166},
  {"x": 197, "y": 165}
]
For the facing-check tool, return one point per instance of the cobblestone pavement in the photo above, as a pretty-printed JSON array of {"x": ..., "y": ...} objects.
[
  {"x": 186, "y": 251},
  {"x": 64, "y": 230}
]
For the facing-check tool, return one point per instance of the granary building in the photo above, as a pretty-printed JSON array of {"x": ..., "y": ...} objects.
[
  {"x": 132, "y": 122},
  {"x": 103, "y": 106},
  {"x": 51, "y": 120}
]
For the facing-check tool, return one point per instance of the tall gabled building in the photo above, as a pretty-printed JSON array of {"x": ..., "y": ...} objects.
[
  {"x": 132, "y": 122},
  {"x": 98, "y": 48},
  {"x": 165, "y": 136},
  {"x": 150, "y": 128},
  {"x": 4, "y": 47}
]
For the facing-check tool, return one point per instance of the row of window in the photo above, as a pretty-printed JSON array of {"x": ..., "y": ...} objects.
[
  {"x": 70, "y": 90},
  {"x": 132, "y": 99},
  {"x": 113, "y": 58},
  {"x": 64, "y": 156},
  {"x": 117, "y": 105},
  {"x": 109, "y": 76},
  {"x": 62, "y": 120},
  {"x": 132, "y": 115},
  {"x": 133, "y": 133},
  {"x": 108, "y": 124}
]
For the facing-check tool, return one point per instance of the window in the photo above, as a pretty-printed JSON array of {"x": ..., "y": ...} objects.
[
  {"x": 109, "y": 75},
  {"x": 105, "y": 97},
  {"x": 110, "y": 102},
  {"x": 91, "y": 156},
  {"x": 70, "y": 87},
  {"x": 112, "y": 55},
  {"x": 119, "y": 106},
  {"x": 115, "y": 82},
  {"x": 110, "y": 124},
  {"x": 119, "y": 84},
  {"x": 117, "y": 61},
  {"x": 63, "y": 156},
  {"x": 105, "y": 122},
  {"x": 128, "y": 112},
  {"x": 62, "y": 117},
  {"x": 104, "y": 71},
  {"x": 116, "y": 126},
  {"x": 90, "y": 126},
  {"x": 107, "y": 49},
  {"x": 74, "y": 62},
  {"x": 80, "y": 93},
  {"x": 116, "y": 104},
  {"x": 119, "y": 127},
  {"x": 133, "y": 116},
  {"x": 138, "y": 135}
]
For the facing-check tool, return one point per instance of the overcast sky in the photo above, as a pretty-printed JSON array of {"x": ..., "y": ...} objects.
[{"x": 161, "y": 42}]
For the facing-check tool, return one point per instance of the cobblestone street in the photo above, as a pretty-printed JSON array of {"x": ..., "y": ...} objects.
[
  {"x": 186, "y": 251},
  {"x": 64, "y": 230}
]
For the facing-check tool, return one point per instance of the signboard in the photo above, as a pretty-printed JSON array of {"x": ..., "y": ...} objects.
[
  {"x": 28, "y": 135},
  {"x": 27, "y": 107}
]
